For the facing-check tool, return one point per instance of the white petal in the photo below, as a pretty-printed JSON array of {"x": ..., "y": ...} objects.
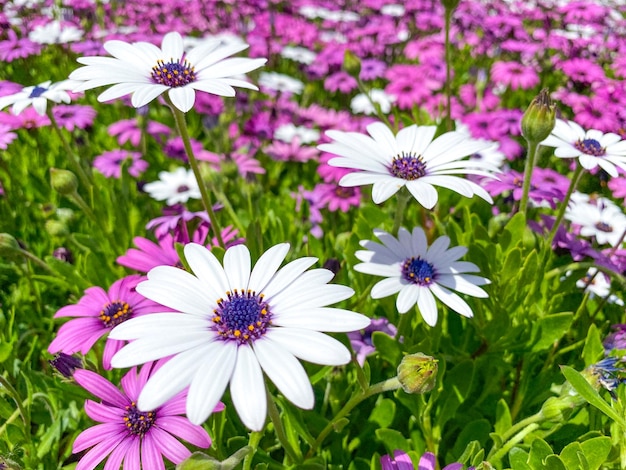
[
  {"x": 459, "y": 283},
  {"x": 322, "y": 319},
  {"x": 156, "y": 324},
  {"x": 266, "y": 266},
  {"x": 407, "y": 298},
  {"x": 182, "y": 97},
  {"x": 286, "y": 372},
  {"x": 237, "y": 267},
  {"x": 144, "y": 95},
  {"x": 214, "y": 87},
  {"x": 316, "y": 296},
  {"x": 384, "y": 137},
  {"x": 427, "y": 306},
  {"x": 386, "y": 287},
  {"x": 172, "y": 46},
  {"x": 452, "y": 300},
  {"x": 384, "y": 189},
  {"x": 208, "y": 269},
  {"x": 287, "y": 275},
  {"x": 172, "y": 377},
  {"x": 376, "y": 269},
  {"x": 311, "y": 346},
  {"x": 247, "y": 389},
  {"x": 424, "y": 193},
  {"x": 210, "y": 381}
]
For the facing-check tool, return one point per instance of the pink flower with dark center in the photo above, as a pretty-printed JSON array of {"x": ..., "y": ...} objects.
[
  {"x": 96, "y": 313},
  {"x": 127, "y": 130},
  {"x": 110, "y": 163},
  {"x": 27, "y": 119},
  {"x": 335, "y": 197},
  {"x": 139, "y": 439},
  {"x": 340, "y": 81},
  {"x": 582, "y": 70},
  {"x": 74, "y": 116},
  {"x": 514, "y": 75},
  {"x": 17, "y": 48},
  {"x": 291, "y": 151},
  {"x": 6, "y": 136}
]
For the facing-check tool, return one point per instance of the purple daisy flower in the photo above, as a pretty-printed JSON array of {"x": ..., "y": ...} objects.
[
  {"x": 74, "y": 116},
  {"x": 110, "y": 163},
  {"x": 97, "y": 312},
  {"x": 402, "y": 461},
  {"x": 361, "y": 341},
  {"x": 6, "y": 136},
  {"x": 140, "y": 439}
]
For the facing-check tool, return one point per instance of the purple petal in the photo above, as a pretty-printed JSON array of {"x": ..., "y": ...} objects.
[
  {"x": 96, "y": 434},
  {"x": 150, "y": 454},
  {"x": 91, "y": 459},
  {"x": 101, "y": 388},
  {"x": 169, "y": 446},
  {"x": 132, "y": 460},
  {"x": 180, "y": 427},
  {"x": 104, "y": 413}
]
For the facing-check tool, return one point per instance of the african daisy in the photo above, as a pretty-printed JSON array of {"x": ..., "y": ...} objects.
[
  {"x": 232, "y": 324},
  {"x": 147, "y": 71}
]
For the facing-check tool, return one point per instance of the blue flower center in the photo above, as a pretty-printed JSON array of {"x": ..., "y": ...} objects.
[
  {"x": 37, "y": 92},
  {"x": 183, "y": 188},
  {"x": 138, "y": 422},
  {"x": 418, "y": 271},
  {"x": 408, "y": 166},
  {"x": 604, "y": 227},
  {"x": 173, "y": 74},
  {"x": 590, "y": 147},
  {"x": 242, "y": 316},
  {"x": 115, "y": 313}
]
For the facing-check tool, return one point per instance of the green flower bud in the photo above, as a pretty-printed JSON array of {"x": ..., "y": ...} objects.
[
  {"x": 417, "y": 373},
  {"x": 8, "y": 244},
  {"x": 539, "y": 119},
  {"x": 62, "y": 181},
  {"x": 351, "y": 63},
  {"x": 56, "y": 228},
  {"x": 450, "y": 4}
]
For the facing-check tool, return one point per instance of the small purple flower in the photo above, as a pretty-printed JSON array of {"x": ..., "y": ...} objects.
[
  {"x": 17, "y": 48},
  {"x": 616, "y": 340},
  {"x": 175, "y": 220},
  {"x": 361, "y": 341},
  {"x": 428, "y": 461},
  {"x": 6, "y": 136},
  {"x": 140, "y": 439},
  {"x": 335, "y": 197},
  {"x": 127, "y": 130},
  {"x": 66, "y": 364},
  {"x": 110, "y": 163},
  {"x": 74, "y": 116},
  {"x": 97, "y": 312}
]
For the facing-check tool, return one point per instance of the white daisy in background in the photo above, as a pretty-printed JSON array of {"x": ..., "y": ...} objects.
[
  {"x": 147, "y": 71},
  {"x": 274, "y": 81},
  {"x": 305, "y": 135},
  {"x": 599, "y": 218},
  {"x": 174, "y": 187},
  {"x": 55, "y": 32},
  {"x": 395, "y": 9},
  {"x": 418, "y": 273},
  {"x": 412, "y": 159},
  {"x": 491, "y": 155},
  {"x": 598, "y": 283},
  {"x": 361, "y": 103},
  {"x": 231, "y": 324},
  {"x": 592, "y": 147},
  {"x": 298, "y": 54},
  {"x": 38, "y": 96}
]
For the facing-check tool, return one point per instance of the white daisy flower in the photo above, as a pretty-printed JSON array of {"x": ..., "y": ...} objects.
[
  {"x": 233, "y": 323},
  {"x": 419, "y": 273},
  {"x": 601, "y": 219},
  {"x": 305, "y": 135},
  {"x": 412, "y": 159},
  {"x": 592, "y": 147},
  {"x": 174, "y": 187},
  {"x": 600, "y": 285},
  {"x": 38, "y": 96},
  {"x": 280, "y": 82},
  {"x": 361, "y": 103},
  {"x": 147, "y": 71},
  {"x": 298, "y": 54},
  {"x": 55, "y": 33}
]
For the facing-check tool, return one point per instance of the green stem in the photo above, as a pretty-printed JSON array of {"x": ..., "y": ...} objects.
[
  {"x": 253, "y": 442},
  {"x": 73, "y": 158},
  {"x": 272, "y": 410},
  {"x": 528, "y": 173},
  {"x": 448, "y": 52},
  {"x": 520, "y": 425},
  {"x": 20, "y": 407},
  {"x": 384, "y": 386},
  {"x": 35, "y": 260},
  {"x": 512, "y": 442},
  {"x": 376, "y": 107},
  {"x": 403, "y": 198},
  {"x": 181, "y": 124},
  {"x": 575, "y": 179}
]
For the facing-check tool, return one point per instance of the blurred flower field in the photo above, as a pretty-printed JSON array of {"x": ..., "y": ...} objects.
[{"x": 312, "y": 234}]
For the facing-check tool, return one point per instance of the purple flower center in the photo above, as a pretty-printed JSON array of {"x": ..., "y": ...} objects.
[
  {"x": 115, "y": 313},
  {"x": 173, "y": 74},
  {"x": 604, "y": 227},
  {"x": 37, "y": 92},
  {"x": 590, "y": 147},
  {"x": 243, "y": 316},
  {"x": 344, "y": 192},
  {"x": 182, "y": 188},
  {"x": 138, "y": 422},
  {"x": 418, "y": 271},
  {"x": 408, "y": 167}
]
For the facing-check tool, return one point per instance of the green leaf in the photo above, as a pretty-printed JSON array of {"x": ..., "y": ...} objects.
[
  {"x": 503, "y": 417},
  {"x": 392, "y": 440},
  {"x": 388, "y": 347},
  {"x": 511, "y": 266},
  {"x": 593, "y": 350},
  {"x": 551, "y": 329},
  {"x": 50, "y": 437},
  {"x": 457, "y": 383},
  {"x": 199, "y": 461},
  {"x": 553, "y": 462},
  {"x": 513, "y": 231},
  {"x": 518, "y": 459},
  {"x": 383, "y": 413},
  {"x": 539, "y": 451},
  {"x": 476, "y": 431},
  {"x": 596, "y": 451},
  {"x": 573, "y": 457},
  {"x": 586, "y": 391}
]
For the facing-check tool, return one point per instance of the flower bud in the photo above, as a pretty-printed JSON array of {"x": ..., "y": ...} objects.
[
  {"x": 66, "y": 364},
  {"x": 351, "y": 63},
  {"x": 539, "y": 119},
  {"x": 417, "y": 373},
  {"x": 450, "y": 4},
  {"x": 8, "y": 244},
  {"x": 56, "y": 228},
  {"x": 62, "y": 181}
]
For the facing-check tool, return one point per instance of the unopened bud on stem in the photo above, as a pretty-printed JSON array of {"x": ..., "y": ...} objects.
[{"x": 539, "y": 119}]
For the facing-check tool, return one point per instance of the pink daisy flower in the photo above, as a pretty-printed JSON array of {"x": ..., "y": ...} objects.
[
  {"x": 97, "y": 312},
  {"x": 336, "y": 197},
  {"x": 6, "y": 136},
  {"x": 139, "y": 439},
  {"x": 74, "y": 116},
  {"x": 514, "y": 75},
  {"x": 110, "y": 163}
]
